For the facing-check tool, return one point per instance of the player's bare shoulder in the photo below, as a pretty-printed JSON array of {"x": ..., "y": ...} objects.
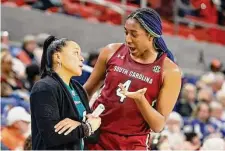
[
  {"x": 170, "y": 68},
  {"x": 110, "y": 49}
]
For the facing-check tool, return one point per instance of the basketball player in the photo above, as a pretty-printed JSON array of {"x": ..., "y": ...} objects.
[{"x": 137, "y": 75}]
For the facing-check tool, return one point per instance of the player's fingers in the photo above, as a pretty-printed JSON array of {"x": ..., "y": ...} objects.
[
  {"x": 64, "y": 129},
  {"x": 89, "y": 116},
  {"x": 143, "y": 90},
  {"x": 122, "y": 88}
]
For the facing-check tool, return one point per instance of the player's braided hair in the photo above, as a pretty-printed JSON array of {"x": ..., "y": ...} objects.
[{"x": 151, "y": 22}]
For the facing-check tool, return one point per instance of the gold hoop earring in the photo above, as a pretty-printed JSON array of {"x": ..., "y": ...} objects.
[{"x": 59, "y": 64}]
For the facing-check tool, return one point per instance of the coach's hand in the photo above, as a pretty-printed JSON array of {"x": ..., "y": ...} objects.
[
  {"x": 137, "y": 95},
  {"x": 66, "y": 125},
  {"x": 95, "y": 122}
]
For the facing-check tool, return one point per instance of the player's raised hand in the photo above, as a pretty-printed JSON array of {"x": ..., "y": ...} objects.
[{"x": 133, "y": 95}]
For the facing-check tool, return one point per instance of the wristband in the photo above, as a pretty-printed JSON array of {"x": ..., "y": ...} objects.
[
  {"x": 90, "y": 128},
  {"x": 86, "y": 129}
]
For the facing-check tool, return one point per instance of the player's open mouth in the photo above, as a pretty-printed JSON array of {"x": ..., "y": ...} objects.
[
  {"x": 131, "y": 48},
  {"x": 81, "y": 66}
]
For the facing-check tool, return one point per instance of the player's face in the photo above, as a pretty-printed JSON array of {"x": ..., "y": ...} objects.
[
  {"x": 137, "y": 39},
  {"x": 71, "y": 58}
]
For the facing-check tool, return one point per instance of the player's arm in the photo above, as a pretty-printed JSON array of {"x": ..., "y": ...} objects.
[
  {"x": 97, "y": 76},
  {"x": 168, "y": 95},
  {"x": 156, "y": 118}
]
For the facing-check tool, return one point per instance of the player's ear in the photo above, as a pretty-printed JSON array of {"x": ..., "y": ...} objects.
[{"x": 150, "y": 37}]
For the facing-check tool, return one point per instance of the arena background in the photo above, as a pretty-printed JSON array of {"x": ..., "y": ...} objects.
[{"x": 193, "y": 53}]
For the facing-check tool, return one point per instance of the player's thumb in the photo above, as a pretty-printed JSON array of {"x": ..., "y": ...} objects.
[{"x": 143, "y": 90}]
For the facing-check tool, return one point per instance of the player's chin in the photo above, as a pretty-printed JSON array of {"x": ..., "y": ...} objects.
[{"x": 134, "y": 53}]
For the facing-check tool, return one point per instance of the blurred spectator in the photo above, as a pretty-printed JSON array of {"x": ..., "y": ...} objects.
[
  {"x": 205, "y": 95},
  {"x": 218, "y": 82},
  {"x": 5, "y": 37},
  {"x": 11, "y": 85},
  {"x": 217, "y": 116},
  {"x": 28, "y": 143},
  {"x": 213, "y": 144},
  {"x": 159, "y": 142},
  {"x": 200, "y": 123},
  {"x": 17, "y": 129},
  {"x": 194, "y": 140},
  {"x": 164, "y": 145},
  {"x": 10, "y": 98},
  {"x": 33, "y": 74},
  {"x": 174, "y": 123},
  {"x": 207, "y": 79},
  {"x": 221, "y": 11},
  {"x": 90, "y": 62},
  {"x": 187, "y": 104},
  {"x": 215, "y": 65},
  {"x": 8, "y": 75},
  {"x": 166, "y": 9},
  {"x": 17, "y": 66},
  {"x": 221, "y": 98},
  {"x": 40, "y": 42},
  {"x": 207, "y": 9},
  {"x": 45, "y": 4},
  {"x": 173, "y": 131},
  {"x": 216, "y": 110},
  {"x": 29, "y": 45},
  {"x": 14, "y": 51}
]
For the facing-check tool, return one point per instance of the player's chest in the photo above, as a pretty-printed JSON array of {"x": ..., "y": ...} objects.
[{"x": 134, "y": 79}]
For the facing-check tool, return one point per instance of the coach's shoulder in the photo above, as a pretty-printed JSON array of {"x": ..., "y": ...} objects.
[{"x": 45, "y": 84}]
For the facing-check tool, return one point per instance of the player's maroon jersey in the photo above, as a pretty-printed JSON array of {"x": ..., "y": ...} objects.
[{"x": 121, "y": 115}]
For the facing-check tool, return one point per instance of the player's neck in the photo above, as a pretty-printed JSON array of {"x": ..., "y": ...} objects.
[{"x": 149, "y": 56}]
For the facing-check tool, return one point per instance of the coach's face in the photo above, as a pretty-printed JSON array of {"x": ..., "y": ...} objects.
[{"x": 71, "y": 58}]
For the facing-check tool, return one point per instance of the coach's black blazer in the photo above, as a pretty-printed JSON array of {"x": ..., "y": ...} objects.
[{"x": 51, "y": 103}]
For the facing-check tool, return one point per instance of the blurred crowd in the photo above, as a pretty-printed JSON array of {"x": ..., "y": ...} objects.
[
  {"x": 197, "y": 119},
  {"x": 208, "y": 13},
  {"x": 211, "y": 11}
]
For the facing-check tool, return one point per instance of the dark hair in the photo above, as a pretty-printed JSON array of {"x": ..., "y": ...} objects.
[
  {"x": 151, "y": 22},
  {"x": 32, "y": 70},
  {"x": 51, "y": 45},
  {"x": 190, "y": 136},
  {"x": 28, "y": 143},
  {"x": 92, "y": 56}
]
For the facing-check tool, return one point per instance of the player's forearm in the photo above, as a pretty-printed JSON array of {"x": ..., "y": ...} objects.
[{"x": 155, "y": 120}]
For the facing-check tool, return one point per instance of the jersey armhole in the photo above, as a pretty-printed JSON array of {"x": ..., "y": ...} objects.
[
  {"x": 162, "y": 71},
  {"x": 114, "y": 54}
]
